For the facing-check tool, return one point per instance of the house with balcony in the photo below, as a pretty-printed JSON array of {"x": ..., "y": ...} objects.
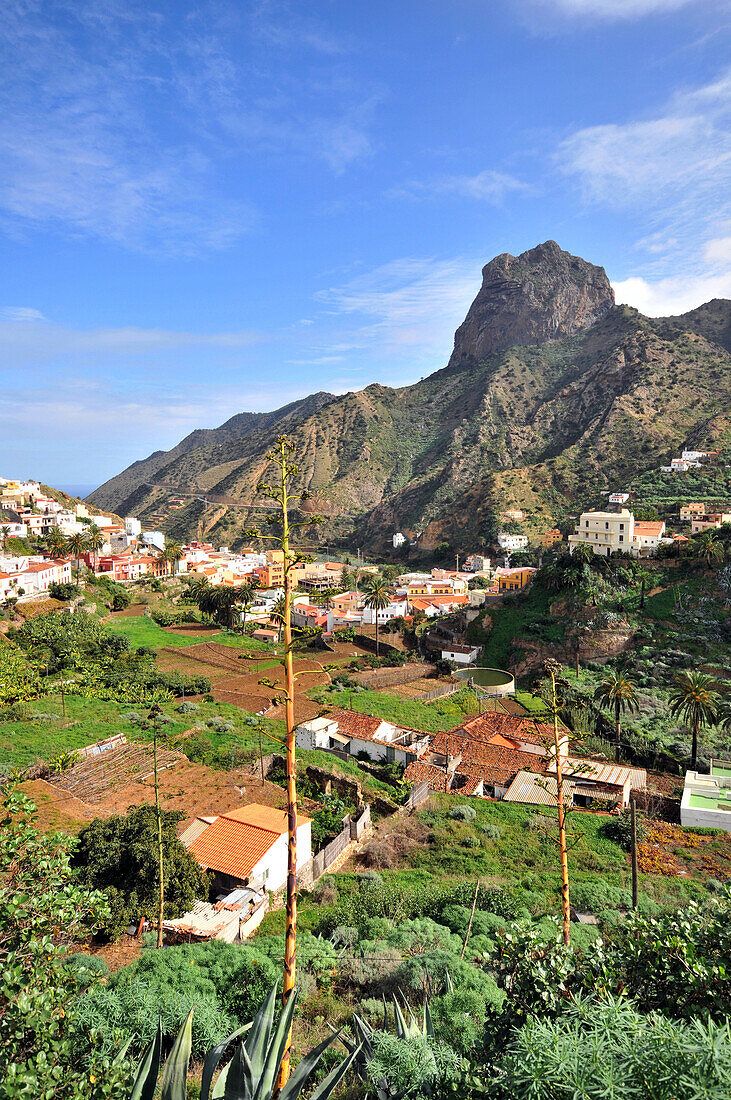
[{"x": 352, "y": 733}]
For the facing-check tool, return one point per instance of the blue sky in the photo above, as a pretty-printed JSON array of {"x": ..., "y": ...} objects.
[{"x": 214, "y": 206}]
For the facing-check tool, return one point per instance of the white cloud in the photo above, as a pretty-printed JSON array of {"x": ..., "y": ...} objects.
[
  {"x": 613, "y": 9},
  {"x": 486, "y": 186},
  {"x": 20, "y": 314},
  {"x": 718, "y": 251},
  {"x": 409, "y": 306},
  {"x": 681, "y": 156},
  {"x": 27, "y": 337},
  {"x": 118, "y": 122},
  {"x": 670, "y": 296}
]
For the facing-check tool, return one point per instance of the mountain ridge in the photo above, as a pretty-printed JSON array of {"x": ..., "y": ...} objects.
[{"x": 551, "y": 390}]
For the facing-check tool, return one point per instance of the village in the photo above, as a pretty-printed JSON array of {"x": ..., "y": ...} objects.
[{"x": 365, "y": 627}]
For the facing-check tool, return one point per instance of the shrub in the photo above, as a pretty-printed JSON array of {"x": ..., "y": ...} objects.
[
  {"x": 463, "y": 813},
  {"x": 62, "y": 591},
  {"x": 619, "y": 829},
  {"x": 187, "y": 708},
  {"x": 492, "y": 832}
]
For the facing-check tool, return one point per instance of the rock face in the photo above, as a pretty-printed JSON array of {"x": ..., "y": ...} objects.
[
  {"x": 543, "y": 294},
  {"x": 552, "y": 394}
]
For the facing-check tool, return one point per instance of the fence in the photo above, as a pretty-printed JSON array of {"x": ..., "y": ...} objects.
[
  {"x": 353, "y": 830},
  {"x": 437, "y": 693},
  {"x": 101, "y": 746},
  {"x": 419, "y": 794},
  {"x": 387, "y": 677}
]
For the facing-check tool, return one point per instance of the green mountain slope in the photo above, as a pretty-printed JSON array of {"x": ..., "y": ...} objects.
[{"x": 552, "y": 392}]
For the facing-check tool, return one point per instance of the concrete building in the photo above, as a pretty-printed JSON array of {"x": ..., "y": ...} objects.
[
  {"x": 511, "y": 542},
  {"x": 605, "y": 532},
  {"x": 350, "y": 732},
  {"x": 706, "y": 799},
  {"x": 398, "y": 540},
  {"x": 461, "y": 654},
  {"x": 693, "y": 508}
]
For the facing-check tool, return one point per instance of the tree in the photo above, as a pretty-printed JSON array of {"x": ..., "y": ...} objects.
[
  {"x": 247, "y": 594},
  {"x": 553, "y": 669},
  {"x": 57, "y": 542},
  {"x": 43, "y": 910},
  {"x": 709, "y": 547},
  {"x": 94, "y": 541},
  {"x": 277, "y": 615},
  {"x": 377, "y": 598},
  {"x": 76, "y": 547},
  {"x": 19, "y": 679},
  {"x": 281, "y": 493},
  {"x": 583, "y": 552},
  {"x": 172, "y": 554},
  {"x": 617, "y": 692},
  {"x": 693, "y": 698},
  {"x": 119, "y": 854},
  {"x": 4, "y": 532}
]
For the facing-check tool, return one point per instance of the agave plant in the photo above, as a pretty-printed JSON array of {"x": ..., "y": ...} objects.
[
  {"x": 251, "y": 1072},
  {"x": 361, "y": 1049}
]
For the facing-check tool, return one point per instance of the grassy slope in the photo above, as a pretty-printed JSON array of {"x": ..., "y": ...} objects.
[
  {"x": 442, "y": 714},
  {"x": 90, "y": 720}
]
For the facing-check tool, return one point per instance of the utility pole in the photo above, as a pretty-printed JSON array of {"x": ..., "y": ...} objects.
[{"x": 635, "y": 884}]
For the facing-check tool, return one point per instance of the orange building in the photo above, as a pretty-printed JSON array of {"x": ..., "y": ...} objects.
[{"x": 551, "y": 538}]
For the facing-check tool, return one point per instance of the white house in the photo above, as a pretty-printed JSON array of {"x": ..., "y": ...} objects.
[
  {"x": 132, "y": 526},
  {"x": 511, "y": 542},
  {"x": 351, "y": 732},
  {"x": 398, "y": 540},
  {"x": 385, "y": 614},
  {"x": 461, "y": 654},
  {"x": 605, "y": 532},
  {"x": 706, "y": 799},
  {"x": 154, "y": 538},
  {"x": 248, "y": 846}
]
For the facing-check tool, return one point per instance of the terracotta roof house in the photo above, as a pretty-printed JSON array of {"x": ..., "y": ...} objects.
[
  {"x": 248, "y": 846},
  {"x": 348, "y": 731}
]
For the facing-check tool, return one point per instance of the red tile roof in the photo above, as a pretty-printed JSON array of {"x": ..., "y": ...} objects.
[
  {"x": 648, "y": 527},
  {"x": 236, "y": 841},
  {"x": 418, "y": 771},
  {"x": 351, "y": 723}
]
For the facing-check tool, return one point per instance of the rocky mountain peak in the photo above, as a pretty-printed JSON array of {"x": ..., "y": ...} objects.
[{"x": 543, "y": 294}]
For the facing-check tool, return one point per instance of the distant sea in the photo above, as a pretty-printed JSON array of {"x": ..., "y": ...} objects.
[{"x": 78, "y": 490}]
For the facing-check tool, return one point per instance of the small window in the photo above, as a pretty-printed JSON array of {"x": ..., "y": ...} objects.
[
  {"x": 621, "y": 527},
  {"x": 586, "y": 522},
  {"x": 606, "y": 526},
  {"x": 621, "y": 538}
]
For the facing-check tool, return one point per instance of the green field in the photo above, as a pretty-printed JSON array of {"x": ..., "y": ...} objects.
[
  {"x": 442, "y": 714},
  {"x": 88, "y": 720}
]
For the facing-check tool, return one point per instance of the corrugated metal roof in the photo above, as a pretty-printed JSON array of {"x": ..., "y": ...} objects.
[
  {"x": 602, "y": 771},
  {"x": 195, "y": 829},
  {"x": 537, "y": 790}
]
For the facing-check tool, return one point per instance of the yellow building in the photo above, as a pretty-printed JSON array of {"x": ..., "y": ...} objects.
[
  {"x": 551, "y": 538},
  {"x": 605, "y": 532},
  {"x": 696, "y": 508}
]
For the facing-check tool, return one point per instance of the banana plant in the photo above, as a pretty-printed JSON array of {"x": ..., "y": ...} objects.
[{"x": 251, "y": 1072}]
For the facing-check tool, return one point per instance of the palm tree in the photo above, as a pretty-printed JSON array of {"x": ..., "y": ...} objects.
[
  {"x": 246, "y": 597},
  {"x": 76, "y": 547},
  {"x": 645, "y": 577},
  {"x": 583, "y": 552},
  {"x": 172, "y": 554},
  {"x": 57, "y": 542},
  {"x": 94, "y": 541},
  {"x": 693, "y": 698},
  {"x": 377, "y": 599},
  {"x": 617, "y": 692},
  {"x": 709, "y": 547},
  {"x": 277, "y": 615},
  {"x": 4, "y": 531}
]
